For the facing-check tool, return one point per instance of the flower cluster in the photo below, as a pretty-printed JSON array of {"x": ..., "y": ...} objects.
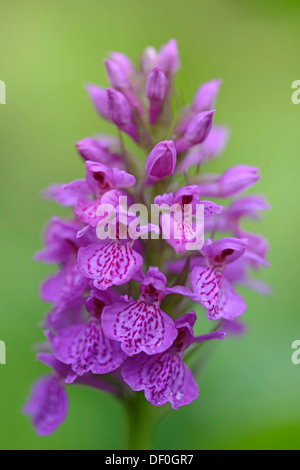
[{"x": 121, "y": 317}]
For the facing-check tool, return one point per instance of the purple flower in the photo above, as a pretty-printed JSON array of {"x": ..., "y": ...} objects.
[
  {"x": 212, "y": 146},
  {"x": 47, "y": 405},
  {"x": 238, "y": 271},
  {"x": 85, "y": 347},
  {"x": 116, "y": 321},
  {"x": 121, "y": 113},
  {"x": 196, "y": 131},
  {"x": 161, "y": 161},
  {"x": 64, "y": 287},
  {"x": 109, "y": 265},
  {"x": 168, "y": 57},
  {"x": 149, "y": 60},
  {"x": 116, "y": 75},
  {"x": 205, "y": 96},
  {"x": 203, "y": 100},
  {"x": 211, "y": 288},
  {"x": 87, "y": 211},
  {"x": 101, "y": 150},
  {"x": 119, "y": 80},
  {"x": 164, "y": 377},
  {"x": 98, "y": 97},
  {"x": 124, "y": 62},
  {"x": 179, "y": 228},
  {"x": 141, "y": 325},
  {"x": 60, "y": 241},
  {"x": 100, "y": 178},
  {"x": 231, "y": 182},
  {"x": 67, "y": 194},
  {"x": 229, "y": 221},
  {"x": 156, "y": 88}
]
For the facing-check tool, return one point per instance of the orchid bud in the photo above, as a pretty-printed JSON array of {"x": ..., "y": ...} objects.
[
  {"x": 161, "y": 160},
  {"x": 231, "y": 182},
  {"x": 98, "y": 97},
  {"x": 120, "y": 112},
  {"x": 98, "y": 150},
  {"x": 205, "y": 96},
  {"x": 123, "y": 61},
  {"x": 197, "y": 130},
  {"x": 116, "y": 75},
  {"x": 156, "y": 87},
  {"x": 168, "y": 57},
  {"x": 149, "y": 59}
]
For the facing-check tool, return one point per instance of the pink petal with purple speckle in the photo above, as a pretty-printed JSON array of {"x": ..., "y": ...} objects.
[
  {"x": 139, "y": 327},
  {"x": 108, "y": 265}
]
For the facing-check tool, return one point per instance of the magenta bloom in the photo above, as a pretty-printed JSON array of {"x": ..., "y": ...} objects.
[
  {"x": 196, "y": 131},
  {"x": 211, "y": 287},
  {"x": 165, "y": 377},
  {"x": 178, "y": 225},
  {"x": 85, "y": 347},
  {"x": 145, "y": 243},
  {"x": 122, "y": 260},
  {"x": 156, "y": 89},
  {"x": 211, "y": 147},
  {"x": 47, "y": 405},
  {"x": 141, "y": 325}
]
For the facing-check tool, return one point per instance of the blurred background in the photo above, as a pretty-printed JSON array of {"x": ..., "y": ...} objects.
[{"x": 249, "y": 392}]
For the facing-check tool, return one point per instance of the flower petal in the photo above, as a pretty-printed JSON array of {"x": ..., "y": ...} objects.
[
  {"x": 163, "y": 377},
  {"x": 216, "y": 294},
  {"x": 139, "y": 327},
  {"x": 108, "y": 265},
  {"x": 67, "y": 194},
  {"x": 47, "y": 405},
  {"x": 86, "y": 348},
  {"x": 64, "y": 287}
]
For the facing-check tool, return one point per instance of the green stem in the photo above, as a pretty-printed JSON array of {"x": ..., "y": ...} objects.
[{"x": 141, "y": 420}]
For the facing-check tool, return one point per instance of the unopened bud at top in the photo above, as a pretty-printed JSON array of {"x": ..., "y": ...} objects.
[
  {"x": 168, "y": 57},
  {"x": 156, "y": 84},
  {"x": 116, "y": 75},
  {"x": 123, "y": 61},
  {"x": 149, "y": 59},
  {"x": 156, "y": 88}
]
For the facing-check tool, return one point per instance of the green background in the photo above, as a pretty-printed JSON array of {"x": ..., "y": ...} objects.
[{"x": 249, "y": 392}]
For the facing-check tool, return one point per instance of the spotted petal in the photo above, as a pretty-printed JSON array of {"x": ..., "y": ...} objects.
[
  {"x": 86, "y": 348},
  {"x": 47, "y": 405},
  {"x": 164, "y": 378},
  {"x": 139, "y": 327},
  {"x": 216, "y": 294},
  {"x": 108, "y": 265},
  {"x": 181, "y": 234},
  {"x": 65, "y": 287}
]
